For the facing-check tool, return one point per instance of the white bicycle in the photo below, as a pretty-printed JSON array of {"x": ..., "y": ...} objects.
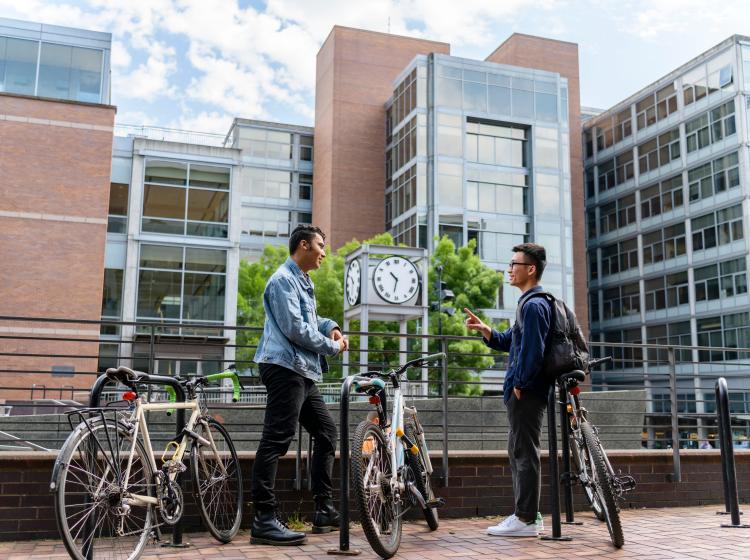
[
  {"x": 108, "y": 486},
  {"x": 390, "y": 461}
]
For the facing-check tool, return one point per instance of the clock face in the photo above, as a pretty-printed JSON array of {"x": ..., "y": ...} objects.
[
  {"x": 396, "y": 279},
  {"x": 353, "y": 282}
]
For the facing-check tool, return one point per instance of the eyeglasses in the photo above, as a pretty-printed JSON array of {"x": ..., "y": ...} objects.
[{"x": 511, "y": 264}]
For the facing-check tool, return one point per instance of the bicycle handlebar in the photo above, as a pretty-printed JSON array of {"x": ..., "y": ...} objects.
[{"x": 597, "y": 361}]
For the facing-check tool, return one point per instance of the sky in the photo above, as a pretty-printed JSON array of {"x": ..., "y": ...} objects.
[{"x": 197, "y": 64}]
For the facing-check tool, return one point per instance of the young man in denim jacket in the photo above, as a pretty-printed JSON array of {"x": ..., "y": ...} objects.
[
  {"x": 524, "y": 389},
  {"x": 291, "y": 355}
]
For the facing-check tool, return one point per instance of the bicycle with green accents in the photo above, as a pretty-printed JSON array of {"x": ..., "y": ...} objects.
[{"x": 107, "y": 484}]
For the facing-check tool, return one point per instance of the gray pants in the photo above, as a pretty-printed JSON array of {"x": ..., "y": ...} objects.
[{"x": 525, "y": 422}]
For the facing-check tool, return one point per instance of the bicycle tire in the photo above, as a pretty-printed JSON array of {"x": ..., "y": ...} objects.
[
  {"x": 585, "y": 466},
  {"x": 603, "y": 485},
  {"x": 422, "y": 478},
  {"x": 217, "y": 487},
  {"x": 371, "y": 459},
  {"x": 80, "y": 498}
]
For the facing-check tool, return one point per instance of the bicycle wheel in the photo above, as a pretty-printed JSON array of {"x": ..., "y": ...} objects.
[
  {"x": 421, "y": 477},
  {"x": 94, "y": 516},
  {"x": 379, "y": 508},
  {"x": 217, "y": 480},
  {"x": 601, "y": 482},
  {"x": 584, "y": 467}
]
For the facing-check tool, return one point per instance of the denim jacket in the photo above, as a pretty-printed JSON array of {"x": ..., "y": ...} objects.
[{"x": 294, "y": 336}]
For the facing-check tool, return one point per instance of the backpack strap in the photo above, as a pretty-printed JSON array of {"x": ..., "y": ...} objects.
[{"x": 524, "y": 299}]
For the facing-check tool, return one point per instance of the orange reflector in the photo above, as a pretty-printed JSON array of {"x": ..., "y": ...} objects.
[
  {"x": 570, "y": 408},
  {"x": 368, "y": 446},
  {"x": 129, "y": 396},
  {"x": 575, "y": 390},
  {"x": 414, "y": 450},
  {"x": 374, "y": 399},
  {"x": 400, "y": 432}
]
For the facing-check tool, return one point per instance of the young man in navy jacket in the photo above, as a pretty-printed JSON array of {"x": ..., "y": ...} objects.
[{"x": 524, "y": 389}]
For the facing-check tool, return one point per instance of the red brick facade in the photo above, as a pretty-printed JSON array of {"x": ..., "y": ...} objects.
[{"x": 55, "y": 163}]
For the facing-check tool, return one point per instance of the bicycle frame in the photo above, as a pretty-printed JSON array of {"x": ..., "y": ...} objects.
[{"x": 138, "y": 418}]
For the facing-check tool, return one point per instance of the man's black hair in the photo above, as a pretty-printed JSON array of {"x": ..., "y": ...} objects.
[
  {"x": 306, "y": 233},
  {"x": 536, "y": 253}
]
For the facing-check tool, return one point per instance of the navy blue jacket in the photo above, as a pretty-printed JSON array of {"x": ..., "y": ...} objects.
[{"x": 526, "y": 348}]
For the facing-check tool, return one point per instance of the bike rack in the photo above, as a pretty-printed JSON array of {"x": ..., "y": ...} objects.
[
  {"x": 727, "y": 455},
  {"x": 567, "y": 475},
  {"x": 343, "y": 549},
  {"x": 95, "y": 402},
  {"x": 554, "y": 473}
]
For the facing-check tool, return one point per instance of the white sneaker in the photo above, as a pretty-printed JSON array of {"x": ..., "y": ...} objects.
[
  {"x": 513, "y": 527},
  {"x": 539, "y": 523}
]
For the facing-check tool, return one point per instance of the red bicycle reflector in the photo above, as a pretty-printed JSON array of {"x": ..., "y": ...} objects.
[
  {"x": 129, "y": 396},
  {"x": 374, "y": 399},
  {"x": 574, "y": 390}
]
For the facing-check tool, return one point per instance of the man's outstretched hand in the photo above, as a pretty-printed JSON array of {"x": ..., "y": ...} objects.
[{"x": 474, "y": 323}]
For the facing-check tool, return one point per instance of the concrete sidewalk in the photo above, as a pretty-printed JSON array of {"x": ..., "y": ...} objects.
[{"x": 650, "y": 534}]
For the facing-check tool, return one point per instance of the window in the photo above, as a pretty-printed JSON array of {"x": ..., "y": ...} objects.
[
  {"x": 112, "y": 293},
  {"x": 617, "y": 214},
  {"x": 591, "y": 223},
  {"x": 594, "y": 307},
  {"x": 181, "y": 284},
  {"x": 404, "y": 144},
  {"x": 593, "y": 265},
  {"x": 267, "y": 144},
  {"x": 664, "y": 244},
  {"x": 616, "y": 171},
  {"x": 620, "y": 257},
  {"x": 656, "y": 106},
  {"x": 266, "y": 222},
  {"x": 305, "y": 186},
  {"x": 621, "y": 301},
  {"x": 710, "y": 127},
  {"x": 405, "y": 97},
  {"x": 661, "y": 197},
  {"x": 267, "y": 185},
  {"x": 717, "y": 228},
  {"x": 677, "y": 289},
  {"x": 676, "y": 334},
  {"x": 496, "y": 238},
  {"x": 117, "y": 220},
  {"x": 659, "y": 151},
  {"x": 725, "y": 279},
  {"x": 185, "y": 199},
  {"x": 590, "y": 183},
  {"x": 511, "y": 198},
  {"x": 306, "y": 148},
  {"x": 67, "y": 72},
  {"x": 450, "y": 184},
  {"x": 729, "y": 331},
  {"x": 19, "y": 58},
  {"x": 495, "y": 144},
  {"x": 588, "y": 143},
  {"x": 404, "y": 193},
  {"x": 624, "y": 357},
  {"x": 406, "y": 231},
  {"x": 714, "y": 177},
  {"x": 607, "y": 175}
]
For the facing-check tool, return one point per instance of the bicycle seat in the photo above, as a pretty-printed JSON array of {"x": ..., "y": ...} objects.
[
  {"x": 576, "y": 375},
  {"x": 123, "y": 374}
]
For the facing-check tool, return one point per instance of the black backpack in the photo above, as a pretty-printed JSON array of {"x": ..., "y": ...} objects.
[{"x": 565, "y": 348}]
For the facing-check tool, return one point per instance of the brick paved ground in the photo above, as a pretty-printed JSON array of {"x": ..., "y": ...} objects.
[{"x": 652, "y": 534}]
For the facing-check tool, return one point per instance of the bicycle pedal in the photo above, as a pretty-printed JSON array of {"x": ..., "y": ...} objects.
[
  {"x": 436, "y": 503},
  {"x": 625, "y": 482}
]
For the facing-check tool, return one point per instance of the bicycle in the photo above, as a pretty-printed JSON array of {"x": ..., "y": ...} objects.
[
  {"x": 107, "y": 484},
  {"x": 390, "y": 461},
  {"x": 601, "y": 485}
]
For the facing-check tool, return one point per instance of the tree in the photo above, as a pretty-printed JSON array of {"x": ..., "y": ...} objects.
[{"x": 474, "y": 284}]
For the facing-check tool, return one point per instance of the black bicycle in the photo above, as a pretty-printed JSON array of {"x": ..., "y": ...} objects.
[{"x": 589, "y": 462}]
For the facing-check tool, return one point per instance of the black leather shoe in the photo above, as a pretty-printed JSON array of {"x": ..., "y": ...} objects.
[
  {"x": 326, "y": 518},
  {"x": 267, "y": 528}
]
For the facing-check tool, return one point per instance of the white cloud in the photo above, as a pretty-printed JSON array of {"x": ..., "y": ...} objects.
[{"x": 150, "y": 80}]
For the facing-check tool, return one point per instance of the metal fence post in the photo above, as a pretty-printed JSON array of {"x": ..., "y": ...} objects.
[
  {"x": 444, "y": 382},
  {"x": 343, "y": 548},
  {"x": 554, "y": 473},
  {"x": 727, "y": 454},
  {"x": 677, "y": 475}
]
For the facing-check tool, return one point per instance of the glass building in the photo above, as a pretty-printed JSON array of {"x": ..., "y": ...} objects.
[
  {"x": 479, "y": 150},
  {"x": 54, "y": 62},
  {"x": 184, "y": 209},
  {"x": 666, "y": 181}
]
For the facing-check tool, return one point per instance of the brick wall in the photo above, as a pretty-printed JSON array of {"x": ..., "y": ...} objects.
[{"x": 479, "y": 484}]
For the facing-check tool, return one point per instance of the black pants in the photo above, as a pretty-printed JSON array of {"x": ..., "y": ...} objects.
[
  {"x": 292, "y": 399},
  {"x": 525, "y": 421}
]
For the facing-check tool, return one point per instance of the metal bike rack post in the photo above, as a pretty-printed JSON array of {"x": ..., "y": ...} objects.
[
  {"x": 444, "y": 383},
  {"x": 567, "y": 475},
  {"x": 554, "y": 474},
  {"x": 343, "y": 549},
  {"x": 95, "y": 402},
  {"x": 727, "y": 454}
]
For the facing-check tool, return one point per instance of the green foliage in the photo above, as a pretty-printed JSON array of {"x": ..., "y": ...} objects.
[{"x": 474, "y": 284}]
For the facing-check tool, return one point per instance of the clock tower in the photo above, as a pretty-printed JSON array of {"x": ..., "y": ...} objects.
[{"x": 385, "y": 283}]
